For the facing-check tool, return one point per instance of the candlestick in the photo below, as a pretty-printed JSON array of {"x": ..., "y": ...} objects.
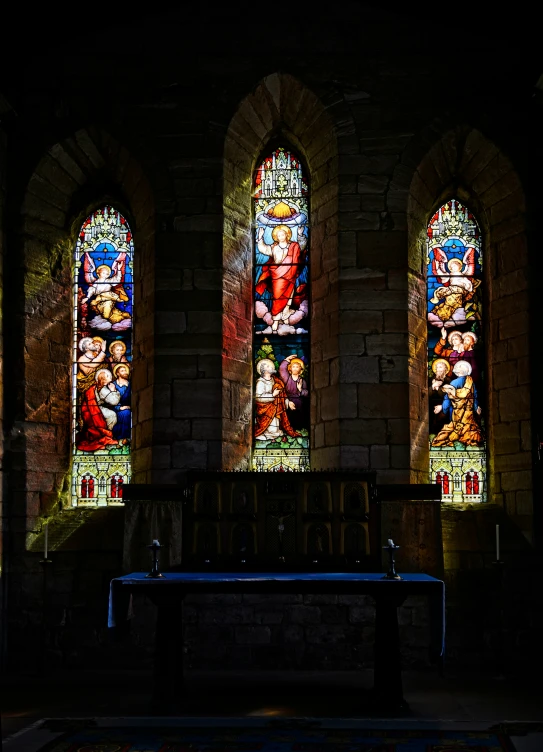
[
  {"x": 46, "y": 540},
  {"x": 155, "y": 547},
  {"x": 497, "y": 542},
  {"x": 391, "y": 574}
]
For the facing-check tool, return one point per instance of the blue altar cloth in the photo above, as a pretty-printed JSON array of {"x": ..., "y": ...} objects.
[{"x": 373, "y": 584}]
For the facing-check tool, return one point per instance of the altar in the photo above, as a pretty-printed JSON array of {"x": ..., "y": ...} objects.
[
  {"x": 282, "y": 533},
  {"x": 167, "y": 594}
]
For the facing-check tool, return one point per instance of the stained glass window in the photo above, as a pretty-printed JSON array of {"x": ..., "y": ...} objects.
[
  {"x": 281, "y": 315},
  {"x": 102, "y": 358},
  {"x": 456, "y": 354}
]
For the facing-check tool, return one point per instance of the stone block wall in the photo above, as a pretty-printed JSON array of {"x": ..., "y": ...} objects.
[
  {"x": 69, "y": 181},
  {"x": 3, "y": 187},
  {"x": 176, "y": 153}
]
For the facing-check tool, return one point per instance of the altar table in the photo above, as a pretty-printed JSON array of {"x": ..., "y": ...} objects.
[{"x": 167, "y": 594}]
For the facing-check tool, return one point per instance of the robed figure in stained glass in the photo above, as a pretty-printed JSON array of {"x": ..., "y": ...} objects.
[
  {"x": 291, "y": 371},
  {"x": 123, "y": 427},
  {"x": 280, "y": 274},
  {"x": 271, "y": 408},
  {"x": 98, "y": 417},
  {"x": 460, "y": 405}
]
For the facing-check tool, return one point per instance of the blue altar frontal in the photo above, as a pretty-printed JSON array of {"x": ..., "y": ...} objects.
[{"x": 168, "y": 591}]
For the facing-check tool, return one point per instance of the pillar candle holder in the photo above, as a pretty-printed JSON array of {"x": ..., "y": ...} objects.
[
  {"x": 155, "y": 548},
  {"x": 391, "y": 574}
]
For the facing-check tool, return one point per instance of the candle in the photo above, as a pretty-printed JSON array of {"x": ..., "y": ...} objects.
[
  {"x": 390, "y": 542},
  {"x": 156, "y": 543},
  {"x": 45, "y": 540},
  {"x": 497, "y": 542}
]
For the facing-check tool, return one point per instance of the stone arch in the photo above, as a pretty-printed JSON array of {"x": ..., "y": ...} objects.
[
  {"x": 282, "y": 107},
  {"x": 74, "y": 177},
  {"x": 465, "y": 163}
]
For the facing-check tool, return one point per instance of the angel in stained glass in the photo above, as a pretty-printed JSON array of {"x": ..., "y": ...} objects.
[
  {"x": 457, "y": 287},
  {"x": 105, "y": 291}
]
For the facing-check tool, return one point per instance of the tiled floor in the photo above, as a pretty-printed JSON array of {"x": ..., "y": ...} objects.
[{"x": 465, "y": 701}]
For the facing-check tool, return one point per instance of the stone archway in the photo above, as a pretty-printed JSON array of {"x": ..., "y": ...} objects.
[
  {"x": 75, "y": 176},
  {"x": 281, "y": 107},
  {"x": 465, "y": 163}
]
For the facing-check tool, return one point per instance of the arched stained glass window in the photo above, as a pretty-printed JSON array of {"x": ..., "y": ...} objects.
[
  {"x": 281, "y": 314},
  {"x": 456, "y": 354},
  {"x": 102, "y": 358}
]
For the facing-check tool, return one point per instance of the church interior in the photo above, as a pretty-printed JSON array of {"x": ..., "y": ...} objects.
[{"x": 270, "y": 307}]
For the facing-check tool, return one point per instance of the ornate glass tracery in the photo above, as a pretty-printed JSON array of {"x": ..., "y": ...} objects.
[
  {"x": 281, "y": 315},
  {"x": 102, "y": 358},
  {"x": 456, "y": 354}
]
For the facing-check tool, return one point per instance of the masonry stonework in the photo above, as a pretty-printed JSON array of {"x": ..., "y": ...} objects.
[{"x": 175, "y": 152}]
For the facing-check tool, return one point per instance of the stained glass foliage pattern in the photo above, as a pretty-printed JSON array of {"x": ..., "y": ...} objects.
[
  {"x": 102, "y": 359},
  {"x": 281, "y": 315},
  {"x": 456, "y": 354}
]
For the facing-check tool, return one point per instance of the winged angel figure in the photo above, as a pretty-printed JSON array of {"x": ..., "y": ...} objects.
[
  {"x": 457, "y": 287},
  {"x": 106, "y": 290}
]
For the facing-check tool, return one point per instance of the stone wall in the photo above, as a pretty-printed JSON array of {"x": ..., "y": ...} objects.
[
  {"x": 173, "y": 143},
  {"x": 70, "y": 180},
  {"x": 3, "y": 188}
]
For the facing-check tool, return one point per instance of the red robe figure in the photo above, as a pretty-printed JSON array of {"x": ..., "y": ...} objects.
[
  {"x": 270, "y": 397},
  {"x": 279, "y": 274},
  {"x": 95, "y": 433}
]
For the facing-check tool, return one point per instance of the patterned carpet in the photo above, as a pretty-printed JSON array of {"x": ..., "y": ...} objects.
[{"x": 301, "y": 735}]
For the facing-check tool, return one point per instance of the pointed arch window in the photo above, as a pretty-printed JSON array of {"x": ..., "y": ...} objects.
[
  {"x": 281, "y": 314},
  {"x": 102, "y": 357},
  {"x": 456, "y": 363}
]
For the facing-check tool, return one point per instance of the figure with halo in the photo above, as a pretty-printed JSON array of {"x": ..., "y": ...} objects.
[
  {"x": 280, "y": 278},
  {"x": 270, "y": 398},
  {"x": 291, "y": 371},
  {"x": 123, "y": 426},
  {"x": 460, "y": 406}
]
